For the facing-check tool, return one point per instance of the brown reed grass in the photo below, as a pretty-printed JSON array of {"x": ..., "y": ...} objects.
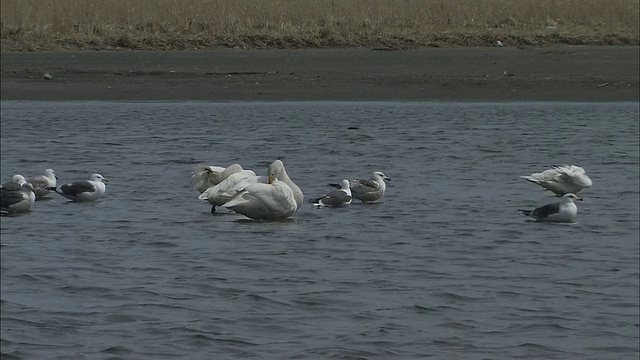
[{"x": 197, "y": 24}]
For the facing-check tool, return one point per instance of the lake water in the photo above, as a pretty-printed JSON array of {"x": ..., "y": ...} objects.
[{"x": 444, "y": 266}]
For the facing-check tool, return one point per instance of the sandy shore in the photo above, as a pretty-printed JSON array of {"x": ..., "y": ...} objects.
[{"x": 581, "y": 73}]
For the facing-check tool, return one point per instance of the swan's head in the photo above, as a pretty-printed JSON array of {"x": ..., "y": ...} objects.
[
  {"x": 275, "y": 170},
  {"x": 571, "y": 197},
  {"x": 98, "y": 177},
  {"x": 380, "y": 175}
]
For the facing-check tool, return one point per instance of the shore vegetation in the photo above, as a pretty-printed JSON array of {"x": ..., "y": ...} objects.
[{"x": 204, "y": 24}]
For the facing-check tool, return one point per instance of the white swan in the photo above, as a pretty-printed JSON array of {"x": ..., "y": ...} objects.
[
  {"x": 561, "y": 179},
  {"x": 272, "y": 201},
  {"x": 277, "y": 171},
  {"x": 563, "y": 211},
  {"x": 43, "y": 183},
  {"x": 219, "y": 194},
  {"x": 205, "y": 176},
  {"x": 84, "y": 190}
]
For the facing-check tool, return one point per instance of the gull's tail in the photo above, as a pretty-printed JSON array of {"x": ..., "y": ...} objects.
[{"x": 526, "y": 212}]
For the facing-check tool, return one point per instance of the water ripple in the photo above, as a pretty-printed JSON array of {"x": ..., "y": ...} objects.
[{"x": 444, "y": 266}]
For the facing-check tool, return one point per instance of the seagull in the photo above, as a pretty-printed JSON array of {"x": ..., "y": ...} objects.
[
  {"x": 561, "y": 179},
  {"x": 335, "y": 198},
  {"x": 368, "y": 190},
  {"x": 84, "y": 190},
  {"x": 43, "y": 182},
  {"x": 563, "y": 211},
  {"x": 14, "y": 185},
  {"x": 17, "y": 201}
]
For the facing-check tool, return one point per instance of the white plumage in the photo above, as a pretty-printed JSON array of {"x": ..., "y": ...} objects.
[
  {"x": 278, "y": 199},
  {"x": 84, "y": 190},
  {"x": 43, "y": 183},
  {"x": 17, "y": 201},
  {"x": 335, "y": 198},
  {"x": 368, "y": 190},
  {"x": 563, "y": 211},
  {"x": 561, "y": 179},
  {"x": 206, "y": 176}
]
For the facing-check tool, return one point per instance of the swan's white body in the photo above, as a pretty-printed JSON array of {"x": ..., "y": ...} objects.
[{"x": 278, "y": 199}]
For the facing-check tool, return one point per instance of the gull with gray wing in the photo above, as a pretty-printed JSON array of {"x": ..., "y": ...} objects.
[
  {"x": 563, "y": 211},
  {"x": 43, "y": 183},
  {"x": 84, "y": 190},
  {"x": 368, "y": 190},
  {"x": 335, "y": 198},
  {"x": 17, "y": 201}
]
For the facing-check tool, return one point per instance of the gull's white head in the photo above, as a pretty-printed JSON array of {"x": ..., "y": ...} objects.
[
  {"x": 345, "y": 186},
  {"x": 98, "y": 177},
  {"x": 569, "y": 197},
  {"x": 50, "y": 173},
  {"x": 18, "y": 179},
  {"x": 381, "y": 175}
]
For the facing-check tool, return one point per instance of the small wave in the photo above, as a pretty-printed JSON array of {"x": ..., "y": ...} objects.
[{"x": 116, "y": 350}]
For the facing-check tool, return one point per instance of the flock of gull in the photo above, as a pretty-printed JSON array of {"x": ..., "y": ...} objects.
[
  {"x": 275, "y": 196},
  {"x": 19, "y": 194},
  {"x": 270, "y": 197}
]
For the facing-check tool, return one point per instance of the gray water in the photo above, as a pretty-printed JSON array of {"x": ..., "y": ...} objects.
[{"x": 443, "y": 267}]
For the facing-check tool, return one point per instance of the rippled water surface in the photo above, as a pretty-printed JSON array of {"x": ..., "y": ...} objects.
[{"x": 443, "y": 267}]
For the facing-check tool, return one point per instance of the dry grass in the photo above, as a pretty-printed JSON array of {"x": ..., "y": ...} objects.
[{"x": 196, "y": 24}]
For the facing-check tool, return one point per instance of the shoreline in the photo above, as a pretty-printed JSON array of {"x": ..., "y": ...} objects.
[{"x": 559, "y": 73}]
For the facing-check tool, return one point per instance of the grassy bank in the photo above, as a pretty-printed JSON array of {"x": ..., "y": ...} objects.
[{"x": 198, "y": 24}]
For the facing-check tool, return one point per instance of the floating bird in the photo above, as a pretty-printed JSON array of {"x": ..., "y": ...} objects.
[
  {"x": 205, "y": 176},
  {"x": 563, "y": 211},
  {"x": 84, "y": 190},
  {"x": 219, "y": 194},
  {"x": 43, "y": 182},
  {"x": 335, "y": 198},
  {"x": 277, "y": 171},
  {"x": 561, "y": 179},
  {"x": 272, "y": 201},
  {"x": 368, "y": 190},
  {"x": 14, "y": 185},
  {"x": 17, "y": 201}
]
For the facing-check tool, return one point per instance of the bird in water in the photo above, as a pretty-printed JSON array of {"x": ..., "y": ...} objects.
[
  {"x": 17, "y": 201},
  {"x": 84, "y": 190},
  {"x": 562, "y": 179},
  {"x": 368, "y": 190},
  {"x": 335, "y": 198},
  {"x": 562, "y": 211}
]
